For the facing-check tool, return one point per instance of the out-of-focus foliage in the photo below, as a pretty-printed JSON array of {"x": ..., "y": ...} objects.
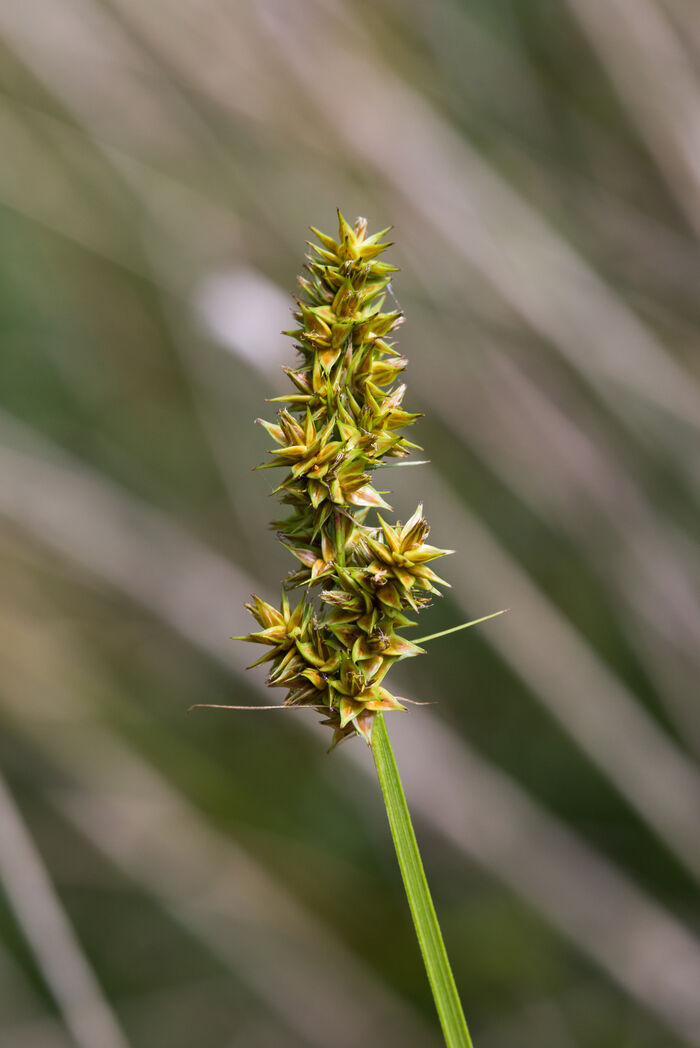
[{"x": 218, "y": 880}]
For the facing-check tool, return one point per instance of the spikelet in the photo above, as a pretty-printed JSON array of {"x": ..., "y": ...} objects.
[{"x": 344, "y": 417}]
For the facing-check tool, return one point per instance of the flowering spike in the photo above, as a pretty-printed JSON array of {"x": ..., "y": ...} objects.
[{"x": 333, "y": 650}]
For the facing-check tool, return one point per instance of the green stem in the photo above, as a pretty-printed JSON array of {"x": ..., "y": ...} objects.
[
  {"x": 339, "y": 540},
  {"x": 449, "y": 1008}
]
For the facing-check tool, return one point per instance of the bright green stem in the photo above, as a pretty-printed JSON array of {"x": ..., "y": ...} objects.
[{"x": 442, "y": 983}]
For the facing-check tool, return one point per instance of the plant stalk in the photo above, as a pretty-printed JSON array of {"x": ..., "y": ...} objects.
[{"x": 437, "y": 966}]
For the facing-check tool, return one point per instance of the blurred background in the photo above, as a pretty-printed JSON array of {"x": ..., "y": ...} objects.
[{"x": 217, "y": 880}]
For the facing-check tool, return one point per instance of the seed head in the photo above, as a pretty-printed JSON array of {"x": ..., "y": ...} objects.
[{"x": 344, "y": 418}]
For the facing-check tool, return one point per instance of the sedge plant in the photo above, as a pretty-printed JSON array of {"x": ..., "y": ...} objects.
[{"x": 360, "y": 582}]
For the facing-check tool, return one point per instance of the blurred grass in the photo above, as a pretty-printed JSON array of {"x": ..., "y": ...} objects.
[{"x": 152, "y": 149}]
